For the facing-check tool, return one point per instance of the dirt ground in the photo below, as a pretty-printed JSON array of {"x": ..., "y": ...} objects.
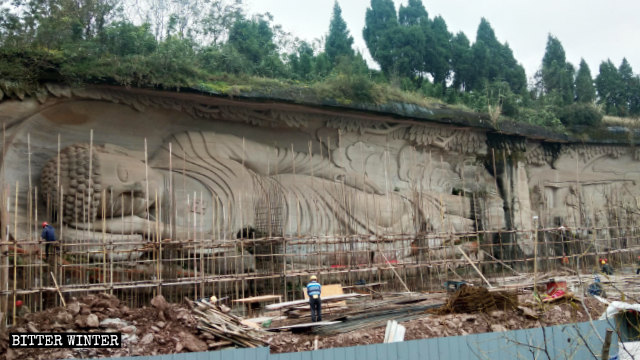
[
  {"x": 431, "y": 326},
  {"x": 164, "y": 328}
]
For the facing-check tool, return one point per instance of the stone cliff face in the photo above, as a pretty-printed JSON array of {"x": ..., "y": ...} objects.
[{"x": 214, "y": 166}]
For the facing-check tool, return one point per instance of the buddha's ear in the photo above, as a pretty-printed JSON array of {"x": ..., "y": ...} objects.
[{"x": 119, "y": 150}]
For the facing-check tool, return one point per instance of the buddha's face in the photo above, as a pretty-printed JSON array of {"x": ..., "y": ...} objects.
[
  {"x": 118, "y": 183},
  {"x": 124, "y": 180}
]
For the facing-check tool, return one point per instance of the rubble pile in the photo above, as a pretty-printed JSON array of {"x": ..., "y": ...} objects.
[
  {"x": 233, "y": 330},
  {"x": 450, "y": 324},
  {"x": 162, "y": 328},
  {"x": 470, "y": 299}
]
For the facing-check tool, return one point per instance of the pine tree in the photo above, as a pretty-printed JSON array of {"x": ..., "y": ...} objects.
[
  {"x": 438, "y": 56},
  {"x": 608, "y": 83},
  {"x": 492, "y": 61},
  {"x": 461, "y": 62},
  {"x": 625, "y": 72},
  {"x": 585, "y": 91},
  {"x": 339, "y": 41},
  {"x": 412, "y": 14},
  {"x": 380, "y": 31},
  {"x": 557, "y": 73}
]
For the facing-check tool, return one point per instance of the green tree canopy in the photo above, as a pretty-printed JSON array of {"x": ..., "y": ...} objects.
[
  {"x": 492, "y": 61},
  {"x": 585, "y": 91},
  {"x": 412, "y": 14},
  {"x": 461, "y": 61},
  {"x": 253, "y": 39},
  {"x": 608, "y": 83},
  {"x": 339, "y": 41},
  {"x": 380, "y": 32},
  {"x": 557, "y": 73}
]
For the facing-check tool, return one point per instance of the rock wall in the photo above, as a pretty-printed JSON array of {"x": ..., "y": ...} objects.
[{"x": 187, "y": 165}]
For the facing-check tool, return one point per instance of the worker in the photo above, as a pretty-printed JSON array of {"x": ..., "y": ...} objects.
[
  {"x": 21, "y": 309},
  {"x": 313, "y": 290},
  {"x": 638, "y": 269},
  {"x": 49, "y": 235},
  {"x": 606, "y": 268},
  {"x": 565, "y": 259}
]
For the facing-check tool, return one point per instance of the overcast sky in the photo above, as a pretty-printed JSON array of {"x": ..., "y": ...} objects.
[{"x": 591, "y": 29}]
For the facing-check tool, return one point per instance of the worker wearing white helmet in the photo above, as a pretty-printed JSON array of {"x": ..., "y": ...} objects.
[{"x": 314, "y": 290}]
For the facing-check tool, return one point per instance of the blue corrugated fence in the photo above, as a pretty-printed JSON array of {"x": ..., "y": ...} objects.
[{"x": 571, "y": 341}]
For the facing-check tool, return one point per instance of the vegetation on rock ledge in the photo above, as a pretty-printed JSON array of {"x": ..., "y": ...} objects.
[{"x": 214, "y": 46}]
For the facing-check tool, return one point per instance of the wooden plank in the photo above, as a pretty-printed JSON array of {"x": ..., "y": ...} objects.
[
  {"x": 327, "y": 290},
  {"x": 257, "y": 299},
  {"x": 286, "y": 304},
  {"x": 305, "y": 325}
]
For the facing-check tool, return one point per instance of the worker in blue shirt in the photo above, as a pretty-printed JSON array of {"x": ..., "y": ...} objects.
[
  {"x": 49, "y": 236},
  {"x": 314, "y": 290}
]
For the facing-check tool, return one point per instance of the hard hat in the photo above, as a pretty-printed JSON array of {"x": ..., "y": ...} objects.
[
  {"x": 18, "y": 303},
  {"x": 313, "y": 277},
  {"x": 213, "y": 299},
  {"x": 45, "y": 224}
]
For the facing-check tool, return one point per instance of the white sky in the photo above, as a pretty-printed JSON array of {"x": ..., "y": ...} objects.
[{"x": 592, "y": 29}]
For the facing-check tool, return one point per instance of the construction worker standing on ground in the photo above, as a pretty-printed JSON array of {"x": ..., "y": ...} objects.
[
  {"x": 606, "y": 268},
  {"x": 313, "y": 290},
  {"x": 49, "y": 236}
]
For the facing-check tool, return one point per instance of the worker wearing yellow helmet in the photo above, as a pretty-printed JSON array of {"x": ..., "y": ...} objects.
[{"x": 314, "y": 290}]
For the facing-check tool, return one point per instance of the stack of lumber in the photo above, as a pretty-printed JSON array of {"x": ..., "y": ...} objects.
[
  {"x": 213, "y": 320},
  {"x": 372, "y": 318},
  {"x": 327, "y": 299}
]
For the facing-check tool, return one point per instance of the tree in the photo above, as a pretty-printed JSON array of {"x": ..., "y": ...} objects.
[
  {"x": 557, "y": 73},
  {"x": 492, "y": 61},
  {"x": 412, "y": 14},
  {"x": 380, "y": 31},
  {"x": 50, "y": 24},
  {"x": 585, "y": 91},
  {"x": 461, "y": 62},
  {"x": 625, "y": 72},
  {"x": 253, "y": 39},
  {"x": 123, "y": 38},
  {"x": 608, "y": 83},
  {"x": 301, "y": 62},
  {"x": 339, "y": 41},
  {"x": 219, "y": 18},
  {"x": 438, "y": 54}
]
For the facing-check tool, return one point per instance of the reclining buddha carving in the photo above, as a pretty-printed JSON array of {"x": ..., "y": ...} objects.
[{"x": 220, "y": 184}]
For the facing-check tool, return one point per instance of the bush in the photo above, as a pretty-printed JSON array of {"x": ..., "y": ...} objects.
[
  {"x": 579, "y": 114},
  {"x": 544, "y": 117}
]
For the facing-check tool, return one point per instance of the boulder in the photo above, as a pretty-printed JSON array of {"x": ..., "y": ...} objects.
[
  {"x": 147, "y": 339},
  {"x": 159, "y": 303},
  {"x": 73, "y": 308},
  {"x": 192, "y": 343},
  {"x": 92, "y": 321}
]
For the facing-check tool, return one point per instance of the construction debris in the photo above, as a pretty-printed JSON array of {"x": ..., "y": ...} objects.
[
  {"x": 394, "y": 332},
  {"x": 434, "y": 325},
  {"x": 471, "y": 299},
  {"x": 226, "y": 326},
  {"x": 325, "y": 299}
]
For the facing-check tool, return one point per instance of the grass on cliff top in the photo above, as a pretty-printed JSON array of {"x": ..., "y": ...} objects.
[{"x": 343, "y": 89}]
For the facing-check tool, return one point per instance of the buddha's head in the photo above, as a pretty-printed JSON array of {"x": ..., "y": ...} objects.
[{"x": 118, "y": 183}]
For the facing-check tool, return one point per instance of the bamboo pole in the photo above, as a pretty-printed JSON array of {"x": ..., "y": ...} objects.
[
  {"x": 104, "y": 235},
  {"x": 64, "y": 303},
  {"x": 474, "y": 267},
  {"x": 15, "y": 252},
  {"x": 146, "y": 191},
  {"x": 171, "y": 194}
]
